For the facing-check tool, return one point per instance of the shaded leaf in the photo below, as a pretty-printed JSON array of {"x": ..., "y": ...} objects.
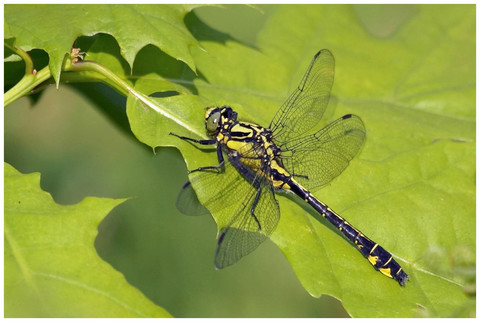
[
  {"x": 51, "y": 266},
  {"x": 54, "y": 28}
]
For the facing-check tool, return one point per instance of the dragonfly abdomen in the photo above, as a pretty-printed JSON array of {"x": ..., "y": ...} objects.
[{"x": 381, "y": 259}]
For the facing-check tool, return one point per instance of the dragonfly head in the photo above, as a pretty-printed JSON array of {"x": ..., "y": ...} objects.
[{"x": 215, "y": 117}]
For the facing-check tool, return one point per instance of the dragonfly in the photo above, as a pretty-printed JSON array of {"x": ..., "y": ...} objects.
[{"x": 255, "y": 163}]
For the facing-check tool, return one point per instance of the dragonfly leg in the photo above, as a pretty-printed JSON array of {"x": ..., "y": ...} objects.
[
  {"x": 219, "y": 167},
  {"x": 202, "y": 142},
  {"x": 252, "y": 210}
]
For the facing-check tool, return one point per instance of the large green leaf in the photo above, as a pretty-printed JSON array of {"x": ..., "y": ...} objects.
[
  {"x": 411, "y": 78},
  {"x": 51, "y": 266},
  {"x": 54, "y": 28}
]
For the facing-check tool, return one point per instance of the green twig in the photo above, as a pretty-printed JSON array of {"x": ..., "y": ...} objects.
[
  {"x": 84, "y": 70},
  {"x": 26, "y": 85},
  {"x": 121, "y": 85},
  {"x": 113, "y": 80},
  {"x": 80, "y": 71},
  {"x": 26, "y": 58},
  {"x": 30, "y": 80}
]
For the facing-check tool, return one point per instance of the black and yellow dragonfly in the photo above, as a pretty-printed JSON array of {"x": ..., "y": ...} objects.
[{"x": 256, "y": 162}]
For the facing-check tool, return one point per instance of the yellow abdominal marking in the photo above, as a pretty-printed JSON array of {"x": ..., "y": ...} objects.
[{"x": 386, "y": 271}]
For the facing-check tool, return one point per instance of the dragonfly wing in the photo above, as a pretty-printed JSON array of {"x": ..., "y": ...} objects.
[
  {"x": 252, "y": 223},
  {"x": 316, "y": 159},
  {"x": 220, "y": 193},
  {"x": 188, "y": 203},
  {"x": 306, "y": 105}
]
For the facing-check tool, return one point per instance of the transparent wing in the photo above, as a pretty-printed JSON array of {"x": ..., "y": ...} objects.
[
  {"x": 305, "y": 107},
  {"x": 188, "y": 203},
  {"x": 230, "y": 196},
  {"x": 253, "y": 222},
  {"x": 220, "y": 192},
  {"x": 316, "y": 159}
]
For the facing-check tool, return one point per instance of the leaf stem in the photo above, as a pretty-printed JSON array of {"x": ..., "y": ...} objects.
[
  {"x": 30, "y": 80},
  {"x": 89, "y": 69},
  {"x": 26, "y": 58},
  {"x": 111, "y": 79},
  {"x": 26, "y": 85},
  {"x": 122, "y": 86}
]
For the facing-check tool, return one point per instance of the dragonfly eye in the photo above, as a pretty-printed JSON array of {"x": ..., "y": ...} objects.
[{"x": 213, "y": 122}]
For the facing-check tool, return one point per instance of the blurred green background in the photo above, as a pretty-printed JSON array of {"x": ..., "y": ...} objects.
[{"x": 168, "y": 256}]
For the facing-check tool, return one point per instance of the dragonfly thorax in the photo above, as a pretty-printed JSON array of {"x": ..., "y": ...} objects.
[{"x": 251, "y": 145}]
